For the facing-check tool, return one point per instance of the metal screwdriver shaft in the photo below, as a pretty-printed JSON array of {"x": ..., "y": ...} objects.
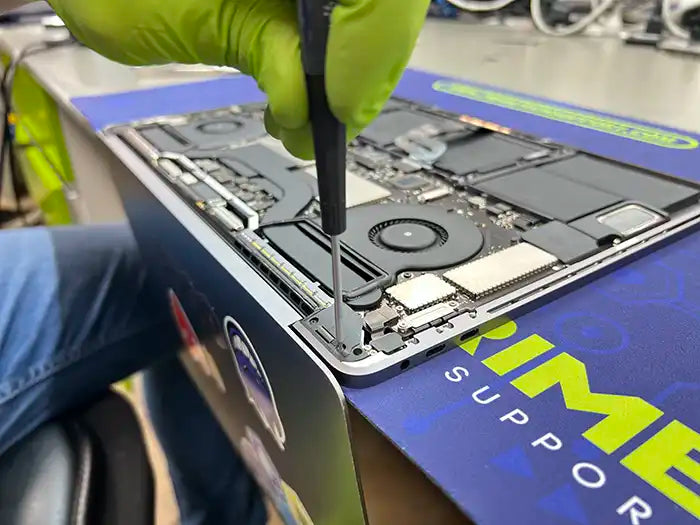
[
  {"x": 337, "y": 291},
  {"x": 329, "y": 138}
]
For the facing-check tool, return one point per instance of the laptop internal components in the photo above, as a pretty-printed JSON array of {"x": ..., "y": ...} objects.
[{"x": 449, "y": 220}]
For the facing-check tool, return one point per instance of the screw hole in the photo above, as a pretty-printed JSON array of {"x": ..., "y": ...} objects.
[
  {"x": 313, "y": 320},
  {"x": 357, "y": 350},
  {"x": 405, "y": 364}
]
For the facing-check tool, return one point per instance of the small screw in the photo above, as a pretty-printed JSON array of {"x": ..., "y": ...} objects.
[
  {"x": 367, "y": 347},
  {"x": 414, "y": 341},
  {"x": 453, "y": 304},
  {"x": 402, "y": 325},
  {"x": 399, "y": 308},
  {"x": 616, "y": 241},
  {"x": 407, "y": 275},
  {"x": 557, "y": 267},
  {"x": 472, "y": 314}
]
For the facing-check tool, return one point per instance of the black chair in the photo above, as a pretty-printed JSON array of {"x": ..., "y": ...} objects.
[{"x": 89, "y": 467}]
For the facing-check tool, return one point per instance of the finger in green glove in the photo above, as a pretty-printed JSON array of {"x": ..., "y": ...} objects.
[{"x": 369, "y": 44}]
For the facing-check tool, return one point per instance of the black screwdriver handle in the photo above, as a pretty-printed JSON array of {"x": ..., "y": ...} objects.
[
  {"x": 329, "y": 147},
  {"x": 328, "y": 132}
]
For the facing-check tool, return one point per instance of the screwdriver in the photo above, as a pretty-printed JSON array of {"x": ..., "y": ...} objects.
[{"x": 328, "y": 137}]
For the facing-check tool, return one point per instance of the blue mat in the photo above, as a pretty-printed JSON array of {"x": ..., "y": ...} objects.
[
  {"x": 636, "y": 332},
  {"x": 119, "y": 108}
]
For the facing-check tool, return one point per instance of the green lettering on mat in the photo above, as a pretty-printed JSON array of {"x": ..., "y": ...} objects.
[{"x": 583, "y": 119}]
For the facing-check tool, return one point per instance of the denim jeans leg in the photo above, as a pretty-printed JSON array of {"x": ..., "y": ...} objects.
[{"x": 77, "y": 314}]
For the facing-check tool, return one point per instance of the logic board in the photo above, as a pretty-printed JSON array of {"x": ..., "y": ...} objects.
[{"x": 452, "y": 222}]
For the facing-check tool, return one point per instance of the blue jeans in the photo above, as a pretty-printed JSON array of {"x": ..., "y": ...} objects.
[{"x": 76, "y": 315}]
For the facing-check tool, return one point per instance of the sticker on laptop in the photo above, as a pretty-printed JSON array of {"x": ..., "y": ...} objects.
[
  {"x": 196, "y": 350},
  {"x": 254, "y": 379},
  {"x": 286, "y": 501}
]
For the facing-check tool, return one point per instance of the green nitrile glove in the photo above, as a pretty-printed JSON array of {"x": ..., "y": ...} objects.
[{"x": 369, "y": 45}]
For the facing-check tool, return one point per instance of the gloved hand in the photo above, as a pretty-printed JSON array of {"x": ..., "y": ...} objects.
[{"x": 369, "y": 44}]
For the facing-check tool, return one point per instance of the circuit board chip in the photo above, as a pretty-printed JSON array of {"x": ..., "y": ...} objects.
[
  {"x": 420, "y": 291},
  {"x": 500, "y": 269},
  {"x": 358, "y": 190}
]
